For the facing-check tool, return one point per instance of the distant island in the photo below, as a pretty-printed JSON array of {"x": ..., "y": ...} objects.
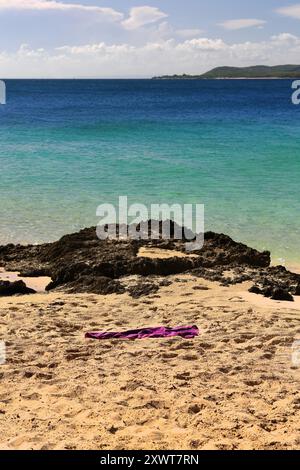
[{"x": 257, "y": 71}]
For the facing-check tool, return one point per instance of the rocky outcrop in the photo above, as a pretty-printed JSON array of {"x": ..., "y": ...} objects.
[
  {"x": 80, "y": 262},
  {"x": 276, "y": 283},
  {"x": 8, "y": 288}
]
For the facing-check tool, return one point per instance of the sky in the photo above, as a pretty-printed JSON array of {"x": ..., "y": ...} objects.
[{"x": 132, "y": 38}]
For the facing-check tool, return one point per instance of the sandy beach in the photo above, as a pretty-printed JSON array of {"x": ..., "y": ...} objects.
[
  {"x": 149, "y": 237},
  {"x": 233, "y": 387}
]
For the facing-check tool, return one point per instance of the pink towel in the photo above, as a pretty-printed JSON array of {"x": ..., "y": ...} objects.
[{"x": 187, "y": 332}]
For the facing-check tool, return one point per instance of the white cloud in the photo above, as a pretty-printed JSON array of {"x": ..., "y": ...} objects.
[
  {"x": 53, "y": 5},
  {"x": 242, "y": 23},
  {"x": 285, "y": 38},
  {"x": 189, "y": 33},
  {"x": 292, "y": 11},
  {"x": 192, "y": 56},
  {"x": 202, "y": 44},
  {"x": 141, "y": 16}
]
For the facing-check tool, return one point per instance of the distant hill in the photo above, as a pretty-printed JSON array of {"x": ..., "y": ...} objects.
[{"x": 257, "y": 71}]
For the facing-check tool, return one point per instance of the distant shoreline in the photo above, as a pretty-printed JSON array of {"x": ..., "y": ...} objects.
[
  {"x": 225, "y": 78},
  {"x": 257, "y": 72}
]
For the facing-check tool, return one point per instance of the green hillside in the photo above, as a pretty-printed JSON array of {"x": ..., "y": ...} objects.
[{"x": 257, "y": 71}]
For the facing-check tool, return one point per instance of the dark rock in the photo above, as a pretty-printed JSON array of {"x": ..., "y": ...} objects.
[
  {"x": 80, "y": 262},
  {"x": 67, "y": 274},
  {"x": 255, "y": 290},
  {"x": 267, "y": 291},
  {"x": 281, "y": 294},
  {"x": 34, "y": 273},
  {"x": 8, "y": 288},
  {"x": 142, "y": 289},
  {"x": 95, "y": 285},
  {"x": 296, "y": 290},
  {"x": 273, "y": 292}
]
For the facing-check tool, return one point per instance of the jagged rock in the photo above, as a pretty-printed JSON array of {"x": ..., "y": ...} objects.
[
  {"x": 296, "y": 290},
  {"x": 34, "y": 273},
  {"x": 255, "y": 290},
  {"x": 80, "y": 262},
  {"x": 98, "y": 285},
  {"x": 8, "y": 288},
  {"x": 272, "y": 292},
  {"x": 281, "y": 294},
  {"x": 142, "y": 289}
]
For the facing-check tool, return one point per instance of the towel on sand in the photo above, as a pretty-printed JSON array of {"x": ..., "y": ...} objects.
[{"x": 187, "y": 332}]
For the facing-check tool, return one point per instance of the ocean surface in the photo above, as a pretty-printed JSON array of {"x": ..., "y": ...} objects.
[{"x": 67, "y": 146}]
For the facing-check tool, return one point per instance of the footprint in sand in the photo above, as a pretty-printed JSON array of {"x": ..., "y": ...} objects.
[
  {"x": 72, "y": 354},
  {"x": 169, "y": 355},
  {"x": 183, "y": 345},
  {"x": 190, "y": 357},
  {"x": 13, "y": 309},
  {"x": 237, "y": 299},
  {"x": 196, "y": 408},
  {"x": 204, "y": 345},
  {"x": 28, "y": 374},
  {"x": 183, "y": 376},
  {"x": 225, "y": 370},
  {"x": 121, "y": 322},
  {"x": 267, "y": 355},
  {"x": 253, "y": 383},
  {"x": 44, "y": 376},
  {"x": 30, "y": 396}
]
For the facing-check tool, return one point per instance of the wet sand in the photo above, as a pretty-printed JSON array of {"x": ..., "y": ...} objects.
[{"x": 37, "y": 283}]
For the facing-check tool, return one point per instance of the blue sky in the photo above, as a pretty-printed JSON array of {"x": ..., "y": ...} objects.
[{"x": 128, "y": 38}]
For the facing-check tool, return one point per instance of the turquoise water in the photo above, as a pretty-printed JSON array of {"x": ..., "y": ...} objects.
[{"x": 68, "y": 146}]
